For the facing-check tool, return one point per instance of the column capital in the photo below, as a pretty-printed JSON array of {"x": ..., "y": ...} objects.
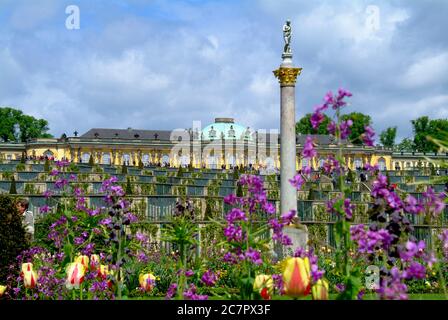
[{"x": 287, "y": 76}]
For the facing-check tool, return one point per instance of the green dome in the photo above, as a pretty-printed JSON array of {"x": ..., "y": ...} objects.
[{"x": 227, "y": 129}]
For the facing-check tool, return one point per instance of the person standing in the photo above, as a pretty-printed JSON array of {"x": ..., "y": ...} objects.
[{"x": 27, "y": 218}]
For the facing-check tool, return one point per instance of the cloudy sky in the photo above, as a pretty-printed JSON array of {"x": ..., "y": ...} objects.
[{"x": 153, "y": 64}]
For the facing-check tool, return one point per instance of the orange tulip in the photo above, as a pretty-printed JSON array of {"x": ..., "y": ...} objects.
[
  {"x": 320, "y": 290},
  {"x": 29, "y": 279},
  {"x": 84, "y": 260},
  {"x": 296, "y": 277},
  {"x": 147, "y": 281},
  {"x": 75, "y": 275}
]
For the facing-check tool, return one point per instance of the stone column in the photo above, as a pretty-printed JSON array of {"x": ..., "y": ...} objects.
[{"x": 287, "y": 75}]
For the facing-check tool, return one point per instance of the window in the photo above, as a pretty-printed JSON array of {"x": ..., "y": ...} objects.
[
  {"x": 358, "y": 163},
  {"x": 270, "y": 164},
  {"x": 184, "y": 160},
  {"x": 211, "y": 161},
  {"x": 305, "y": 162},
  {"x": 231, "y": 160},
  {"x": 85, "y": 157},
  {"x": 106, "y": 158},
  {"x": 165, "y": 159},
  {"x": 321, "y": 162},
  {"x": 382, "y": 164},
  {"x": 126, "y": 158},
  {"x": 145, "y": 159}
]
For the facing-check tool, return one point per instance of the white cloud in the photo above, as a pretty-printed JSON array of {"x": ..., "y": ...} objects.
[{"x": 427, "y": 71}]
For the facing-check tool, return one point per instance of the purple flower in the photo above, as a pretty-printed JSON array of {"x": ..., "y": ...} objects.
[
  {"x": 230, "y": 199},
  {"x": 411, "y": 250},
  {"x": 47, "y": 194},
  {"x": 54, "y": 172},
  {"x": 236, "y": 215},
  {"x": 345, "y": 128},
  {"x": 44, "y": 209},
  {"x": 308, "y": 149},
  {"x": 60, "y": 183},
  {"x": 189, "y": 273},
  {"x": 233, "y": 233},
  {"x": 297, "y": 181},
  {"x": 367, "y": 136},
  {"x": 318, "y": 117},
  {"x": 415, "y": 270},
  {"x": 106, "y": 221},
  {"x": 254, "y": 256},
  {"x": 331, "y": 127},
  {"x": 348, "y": 208},
  {"x": 209, "y": 278},
  {"x": 171, "y": 291}
]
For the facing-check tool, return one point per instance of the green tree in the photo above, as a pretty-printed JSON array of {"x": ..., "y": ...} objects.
[
  {"x": 406, "y": 145},
  {"x": 12, "y": 188},
  {"x": 128, "y": 187},
  {"x": 423, "y": 128},
  {"x": 303, "y": 126},
  {"x": 387, "y": 137},
  {"x": 29, "y": 126},
  {"x": 91, "y": 161},
  {"x": 12, "y": 236},
  {"x": 360, "y": 120}
]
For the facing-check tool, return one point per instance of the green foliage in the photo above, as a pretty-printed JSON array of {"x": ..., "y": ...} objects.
[
  {"x": 91, "y": 161},
  {"x": 239, "y": 190},
  {"x": 303, "y": 126},
  {"x": 180, "y": 172},
  {"x": 140, "y": 164},
  {"x": 73, "y": 167},
  {"x": 424, "y": 127},
  {"x": 47, "y": 166},
  {"x": 360, "y": 120},
  {"x": 29, "y": 126},
  {"x": 12, "y": 235},
  {"x": 406, "y": 145},
  {"x": 124, "y": 169},
  {"x": 387, "y": 137},
  {"x": 20, "y": 167},
  {"x": 128, "y": 189},
  {"x": 12, "y": 188}
]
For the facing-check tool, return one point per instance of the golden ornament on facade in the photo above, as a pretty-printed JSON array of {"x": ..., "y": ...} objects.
[{"x": 287, "y": 76}]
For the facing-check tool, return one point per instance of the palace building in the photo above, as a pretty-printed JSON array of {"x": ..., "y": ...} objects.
[{"x": 219, "y": 144}]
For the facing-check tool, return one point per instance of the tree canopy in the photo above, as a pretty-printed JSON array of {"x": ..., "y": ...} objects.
[
  {"x": 423, "y": 128},
  {"x": 303, "y": 126},
  {"x": 387, "y": 137},
  {"x": 16, "y": 126}
]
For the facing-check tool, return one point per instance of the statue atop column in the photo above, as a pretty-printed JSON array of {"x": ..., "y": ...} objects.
[{"x": 287, "y": 32}]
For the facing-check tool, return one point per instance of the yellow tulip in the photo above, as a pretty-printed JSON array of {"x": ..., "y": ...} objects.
[
  {"x": 320, "y": 290},
  {"x": 147, "y": 281},
  {"x": 29, "y": 279},
  {"x": 84, "y": 260},
  {"x": 296, "y": 277},
  {"x": 75, "y": 275},
  {"x": 27, "y": 267},
  {"x": 2, "y": 290},
  {"x": 264, "y": 285},
  {"x": 103, "y": 271}
]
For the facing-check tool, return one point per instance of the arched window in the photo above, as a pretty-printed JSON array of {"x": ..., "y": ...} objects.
[
  {"x": 48, "y": 153},
  {"x": 270, "y": 163},
  {"x": 145, "y": 159},
  {"x": 106, "y": 158},
  {"x": 305, "y": 162},
  {"x": 321, "y": 162},
  {"x": 382, "y": 164},
  {"x": 358, "y": 163},
  {"x": 231, "y": 160},
  {"x": 85, "y": 157},
  {"x": 126, "y": 158},
  {"x": 211, "y": 162},
  {"x": 184, "y": 160},
  {"x": 165, "y": 159}
]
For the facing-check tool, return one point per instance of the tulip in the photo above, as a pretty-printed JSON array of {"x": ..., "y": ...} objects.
[
  {"x": 75, "y": 275},
  {"x": 320, "y": 290},
  {"x": 29, "y": 279},
  {"x": 147, "y": 281},
  {"x": 84, "y": 260},
  {"x": 296, "y": 277},
  {"x": 103, "y": 271},
  {"x": 27, "y": 267},
  {"x": 264, "y": 285},
  {"x": 94, "y": 261},
  {"x": 2, "y": 290}
]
